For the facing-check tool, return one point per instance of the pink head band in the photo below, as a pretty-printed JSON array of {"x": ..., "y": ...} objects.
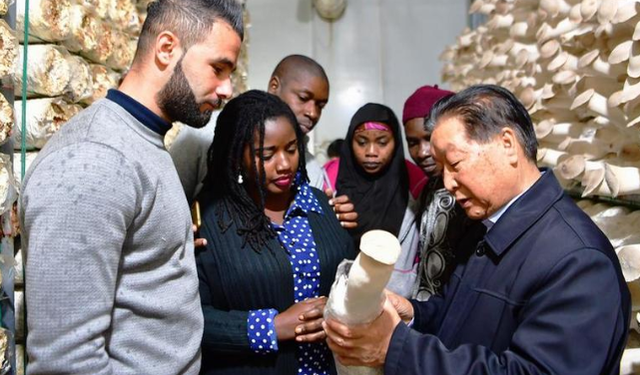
[{"x": 373, "y": 126}]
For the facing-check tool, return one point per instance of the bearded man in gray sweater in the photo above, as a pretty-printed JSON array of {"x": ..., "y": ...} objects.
[{"x": 111, "y": 283}]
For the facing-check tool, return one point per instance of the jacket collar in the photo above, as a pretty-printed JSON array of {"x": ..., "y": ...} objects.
[{"x": 524, "y": 212}]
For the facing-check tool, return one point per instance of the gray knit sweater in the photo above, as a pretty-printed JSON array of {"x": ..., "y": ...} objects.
[{"x": 111, "y": 283}]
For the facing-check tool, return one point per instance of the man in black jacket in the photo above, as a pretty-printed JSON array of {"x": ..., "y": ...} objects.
[{"x": 541, "y": 293}]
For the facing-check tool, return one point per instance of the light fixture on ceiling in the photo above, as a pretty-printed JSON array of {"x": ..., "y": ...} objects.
[{"x": 330, "y": 9}]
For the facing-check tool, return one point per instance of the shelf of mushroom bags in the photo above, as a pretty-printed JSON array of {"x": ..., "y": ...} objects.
[{"x": 575, "y": 65}]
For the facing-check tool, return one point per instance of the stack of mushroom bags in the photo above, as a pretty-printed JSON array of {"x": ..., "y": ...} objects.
[
  {"x": 77, "y": 50},
  {"x": 575, "y": 65},
  {"x": 621, "y": 224}
]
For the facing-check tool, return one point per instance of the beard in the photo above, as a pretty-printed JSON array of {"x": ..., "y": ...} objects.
[{"x": 177, "y": 100}]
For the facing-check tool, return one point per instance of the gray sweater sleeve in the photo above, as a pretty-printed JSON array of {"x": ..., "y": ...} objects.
[{"x": 76, "y": 207}]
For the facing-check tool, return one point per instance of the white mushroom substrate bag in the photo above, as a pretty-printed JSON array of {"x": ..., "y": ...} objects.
[
  {"x": 48, "y": 72},
  {"x": 48, "y": 19},
  {"x": 6, "y": 119},
  {"x": 357, "y": 294},
  {"x": 45, "y": 117},
  {"x": 8, "y": 49}
]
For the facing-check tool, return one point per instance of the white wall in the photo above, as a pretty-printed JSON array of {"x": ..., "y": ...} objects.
[{"x": 378, "y": 51}]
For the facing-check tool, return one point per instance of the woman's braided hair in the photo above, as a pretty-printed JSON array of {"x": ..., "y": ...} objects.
[{"x": 238, "y": 124}]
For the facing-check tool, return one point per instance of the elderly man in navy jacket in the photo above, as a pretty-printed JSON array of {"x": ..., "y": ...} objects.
[{"x": 541, "y": 293}]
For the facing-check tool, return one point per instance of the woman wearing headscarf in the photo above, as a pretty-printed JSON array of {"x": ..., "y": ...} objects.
[{"x": 372, "y": 171}]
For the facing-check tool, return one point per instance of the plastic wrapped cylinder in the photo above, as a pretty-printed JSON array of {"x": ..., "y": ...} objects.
[
  {"x": 104, "y": 48},
  {"x": 90, "y": 36},
  {"x": 80, "y": 85},
  {"x": 48, "y": 19},
  {"x": 124, "y": 15},
  {"x": 172, "y": 134},
  {"x": 5, "y": 356},
  {"x": 17, "y": 164},
  {"x": 4, "y": 6},
  {"x": 6, "y": 119},
  {"x": 8, "y": 49},
  {"x": 103, "y": 80},
  {"x": 84, "y": 29},
  {"x": 357, "y": 295},
  {"x": 123, "y": 51},
  {"x": 99, "y": 8},
  {"x": 48, "y": 71},
  {"x": 45, "y": 117},
  {"x": 629, "y": 257},
  {"x": 8, "y": 186}
]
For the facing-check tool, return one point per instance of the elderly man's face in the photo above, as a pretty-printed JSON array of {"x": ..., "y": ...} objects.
[{"x": 478, "y": 175}]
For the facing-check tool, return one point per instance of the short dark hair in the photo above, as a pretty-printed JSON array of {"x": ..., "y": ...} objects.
[
  {"x": 238, "y": 124},
  {"x": 484, "y": 110},
  {"x": 295, "y": 64},
  {"x": 190, "y": 20},
  {"x": 333, "y": 151}
]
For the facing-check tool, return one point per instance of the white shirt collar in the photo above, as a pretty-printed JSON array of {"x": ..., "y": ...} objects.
[{"x": 496, "y": 215}]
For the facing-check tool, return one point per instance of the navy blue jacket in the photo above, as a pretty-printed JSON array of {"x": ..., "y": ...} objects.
[{"x": 541, "y": 294}]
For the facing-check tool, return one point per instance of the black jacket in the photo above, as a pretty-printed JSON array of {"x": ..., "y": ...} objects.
[
  {"x": 542, "y": 294},
  {"x": 234, "y": 281}
]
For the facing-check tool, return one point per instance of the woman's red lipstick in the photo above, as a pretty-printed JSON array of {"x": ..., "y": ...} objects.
[{"x": 284, "y": 182}]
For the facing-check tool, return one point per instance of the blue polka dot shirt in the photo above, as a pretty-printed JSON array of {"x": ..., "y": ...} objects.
[{"x": 296, "y": 237}]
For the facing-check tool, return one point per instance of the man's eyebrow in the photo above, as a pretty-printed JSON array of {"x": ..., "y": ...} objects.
[{"x": 225, "y": 61}]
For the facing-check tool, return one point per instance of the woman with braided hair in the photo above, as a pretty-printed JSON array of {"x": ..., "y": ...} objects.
[{"x": 273, "y": 246}]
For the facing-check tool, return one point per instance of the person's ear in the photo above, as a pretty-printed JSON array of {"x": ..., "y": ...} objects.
[
  {"x": 510, "y": 144},
  {"x": 274, "y": 85},
  {"x": 167, "y": 48}
]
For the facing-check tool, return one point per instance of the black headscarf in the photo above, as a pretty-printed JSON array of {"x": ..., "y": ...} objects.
[{"x": 380, "y": 200}]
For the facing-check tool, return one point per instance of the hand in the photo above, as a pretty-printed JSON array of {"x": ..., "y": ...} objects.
[
  {"x": 366, "y": 344},
  {"x": 293, "y": 318},
  {"x": 198, "y": 242},
  {"x": 403, "y": 307},
  {"x": 311, "y": 330},
  {"x": 344, "y": 210}
]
